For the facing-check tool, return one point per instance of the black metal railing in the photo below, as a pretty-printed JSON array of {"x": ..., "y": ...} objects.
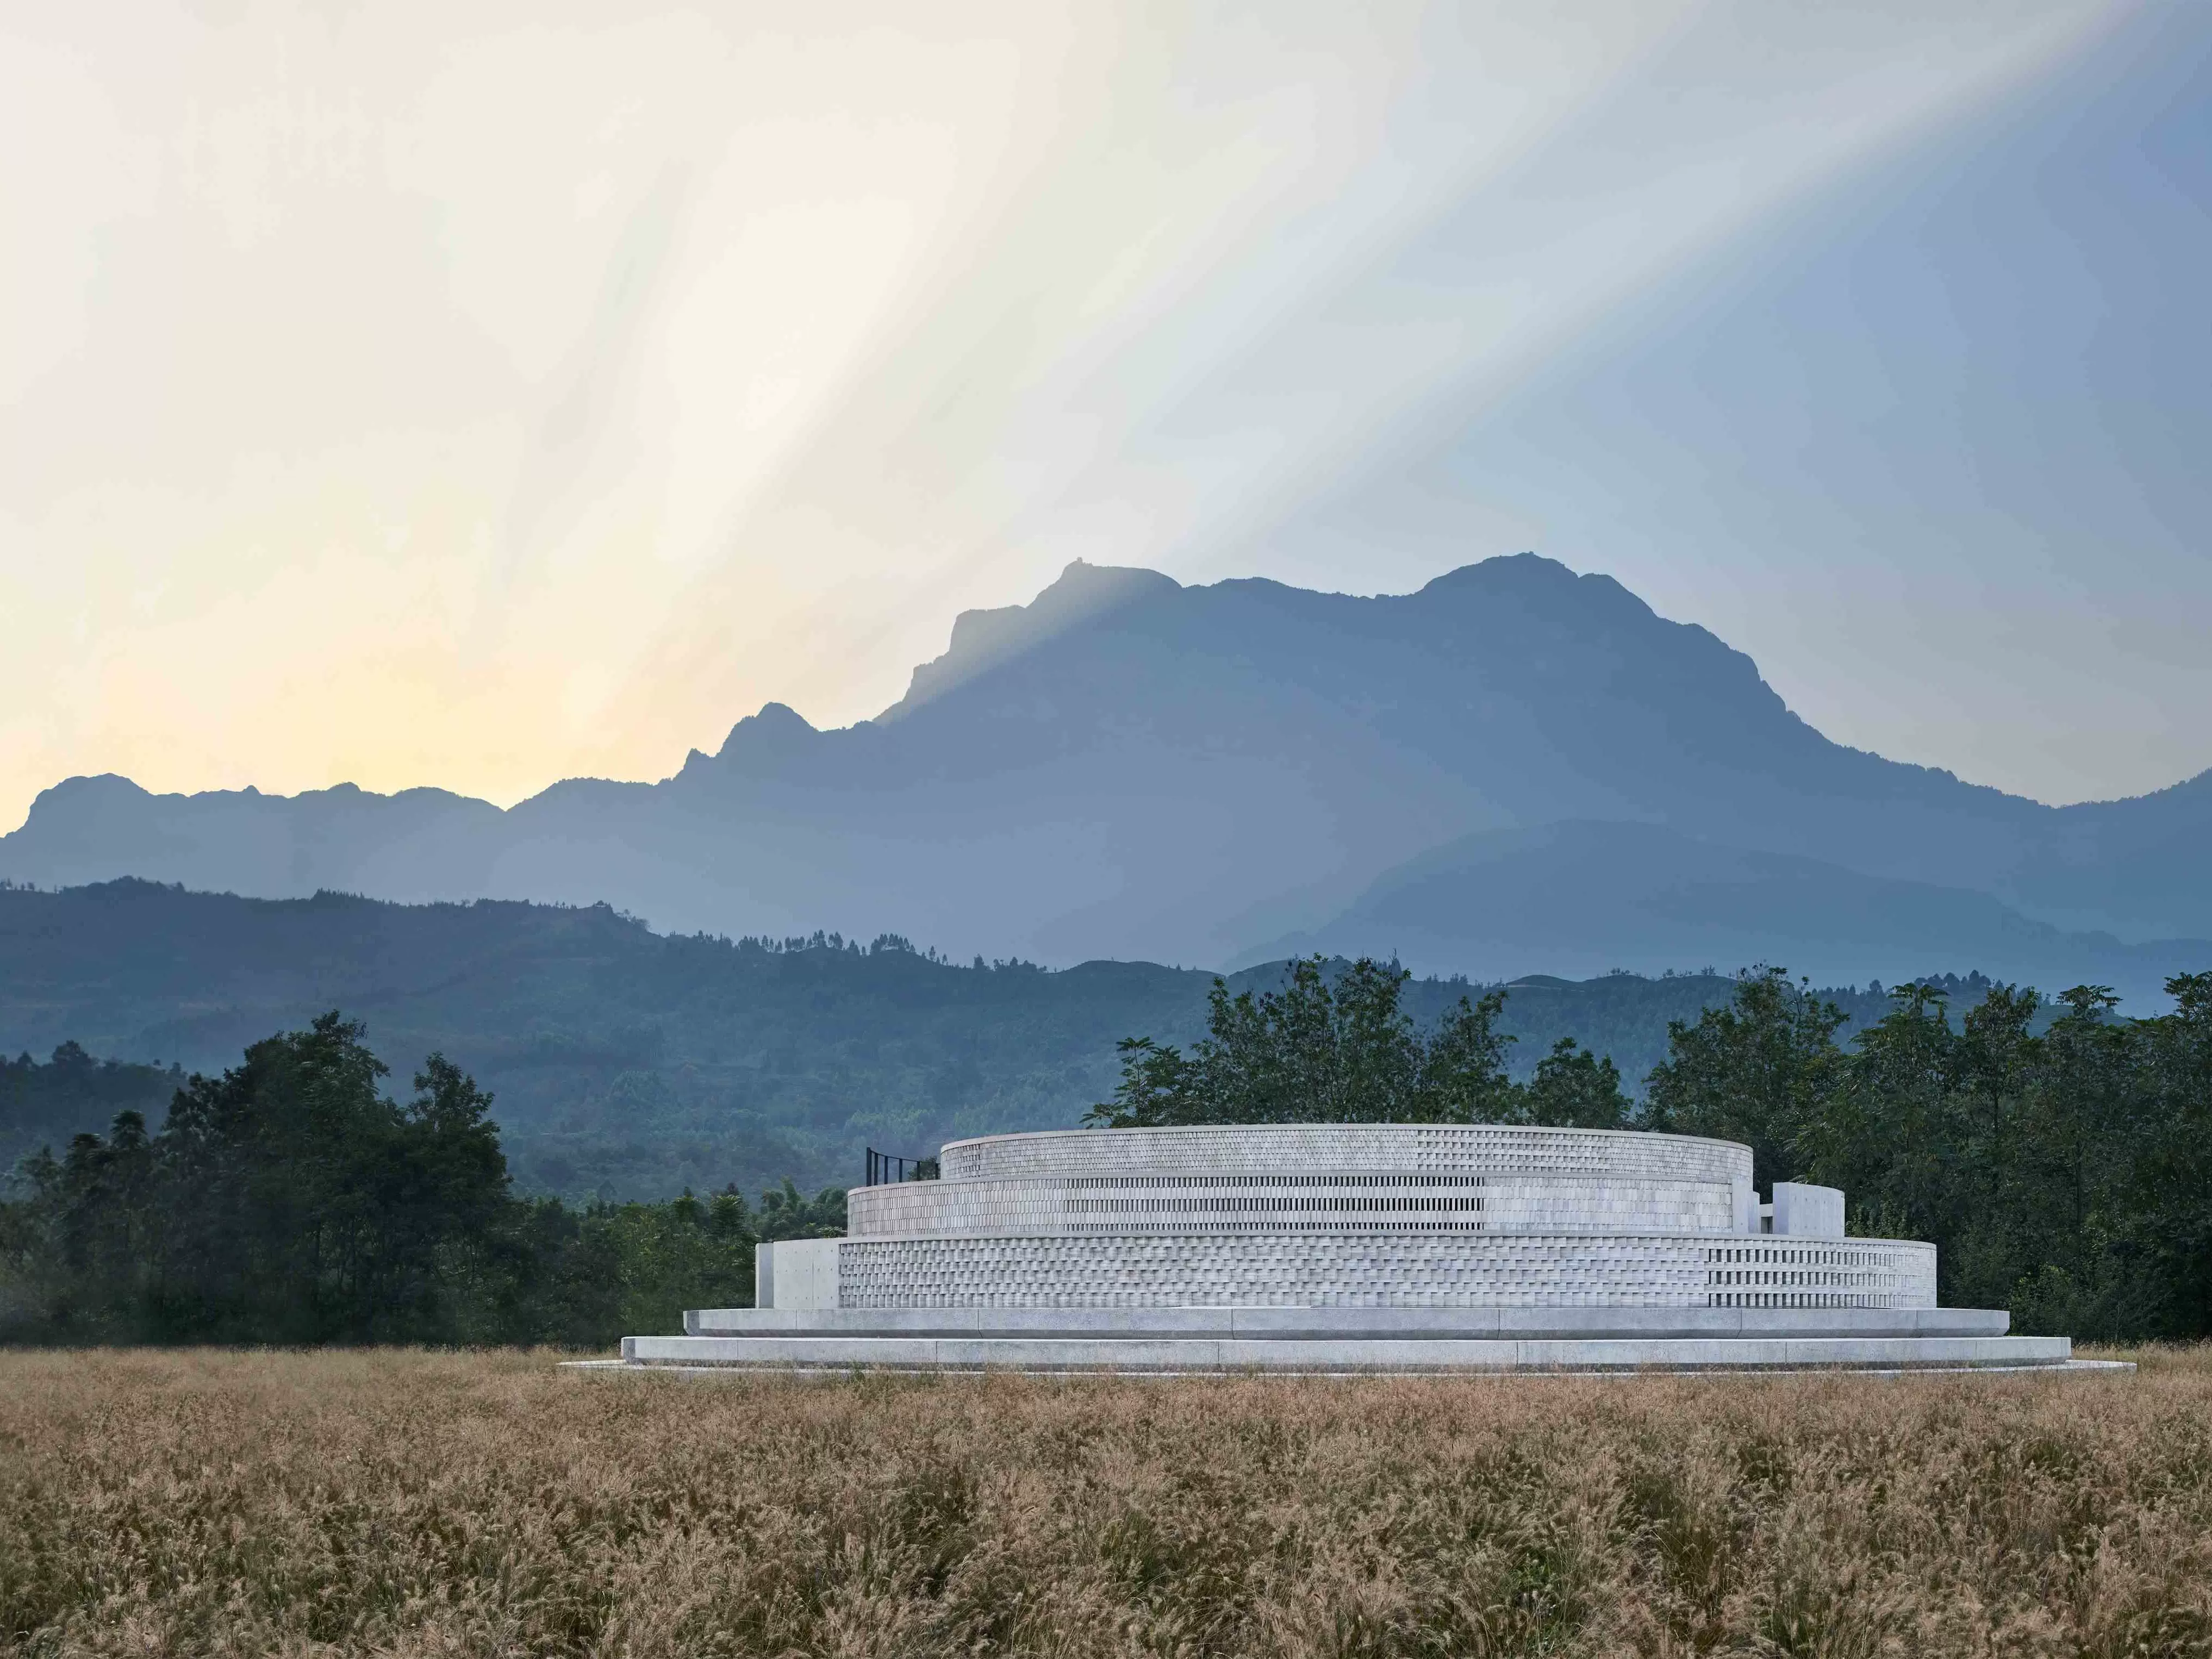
[{"x": 884, "y": 1168}]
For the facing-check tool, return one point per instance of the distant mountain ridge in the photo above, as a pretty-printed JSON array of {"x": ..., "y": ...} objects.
[
  {"x": 1129, "y": 768},
  {"x": 633, "y": 1063},
  {"x": 1591, "y": 898}
]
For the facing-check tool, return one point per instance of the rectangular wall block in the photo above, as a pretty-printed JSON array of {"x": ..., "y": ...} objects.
[
  {"x": 797, "y": 1273},
  {"x": 1802, "y": 1212}
]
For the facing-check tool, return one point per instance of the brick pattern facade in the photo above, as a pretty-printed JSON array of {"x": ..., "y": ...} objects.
[
  {"x": 1350, "y": 1216},
  {"x": 1340, "y": 1203},
  {"x": 1371, "y": 1149},
  {"x": 1383, "y": 1270}
]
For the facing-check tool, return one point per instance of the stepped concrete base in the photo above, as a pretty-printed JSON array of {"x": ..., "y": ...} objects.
[
  {"x": 1312, "y": 1355},
  {"x": 1343, "y": 1323},
  {"x": 1347, "y": 1340}
]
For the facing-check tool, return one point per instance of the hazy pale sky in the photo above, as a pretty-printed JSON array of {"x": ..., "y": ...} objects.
[{"x": 478, "y": 396}]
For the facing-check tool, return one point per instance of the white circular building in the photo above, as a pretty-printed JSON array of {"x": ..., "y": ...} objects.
[{"x": 1330, "y": 1246}]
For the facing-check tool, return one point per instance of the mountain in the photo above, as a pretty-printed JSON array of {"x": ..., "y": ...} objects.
[
  {"x": 1130, "y": 767},
  {"x": 629, "y": 1062},
  {"x": 1584, "y": 897}
]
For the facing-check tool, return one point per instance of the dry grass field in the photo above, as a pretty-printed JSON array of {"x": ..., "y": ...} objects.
[{"x": 414, "y": 1503}]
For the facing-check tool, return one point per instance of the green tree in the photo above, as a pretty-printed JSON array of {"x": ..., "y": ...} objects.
[
  {"x": 1324, "y": 1048},
  {"x": 2086, "y": 1131},
  {"x": 1574, "y": 1089},
  {"x": 786, "y": 1213},
  {"x": 1890, "y": 1131},
  {"x": 671, "y": 1257},
  {"x": 324, "y": 1208},
  {"x": 1464, "y": 1067},
  {"x": 1998, "y": 1058},
  {"x": 87, "y": 1236},
  {"x": 1754, "y": 1071},
  {"x": 291, "y": 1200},
  {"x": 288, "y": 1199},
  {"x": 2169, "y": 1194}
]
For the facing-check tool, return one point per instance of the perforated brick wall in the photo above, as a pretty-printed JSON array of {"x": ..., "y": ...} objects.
[
  {"x": 1383, "y": 1270},
  {"x": 1373, "y": 1149},
  {"x": 1350, "y": 1215}
]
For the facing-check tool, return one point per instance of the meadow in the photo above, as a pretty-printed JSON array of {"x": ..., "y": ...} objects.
[{"x": 399, "y": 1502}]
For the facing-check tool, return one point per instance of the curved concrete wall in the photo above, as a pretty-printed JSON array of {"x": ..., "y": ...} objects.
[
  {"x": 1353, "y": 1216},
  {"x": 1485, "y": 1149},
  {"x": 1383, "y": 1270},
  {"x": 1339, "y": 1203}
]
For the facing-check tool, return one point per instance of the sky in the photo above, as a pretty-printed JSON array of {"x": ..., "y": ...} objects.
[{"x": 475, "y": 397}]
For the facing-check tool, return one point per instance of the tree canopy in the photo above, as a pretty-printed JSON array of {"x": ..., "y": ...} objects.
[
  {"x": 1752, "y": 1071},
  {"x": 1338, "y": 1047},
  {"x": 2059, "y": 1156},
  {"x": 292, "y": 1200}
]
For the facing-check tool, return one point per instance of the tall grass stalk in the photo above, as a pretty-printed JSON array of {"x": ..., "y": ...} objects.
[{"x": 410, "y": 1503}]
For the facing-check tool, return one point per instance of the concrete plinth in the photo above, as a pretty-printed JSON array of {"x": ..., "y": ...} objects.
[
  {"x": 1343, "y": 1353},
  {"x": 1341, "y": 1324}
]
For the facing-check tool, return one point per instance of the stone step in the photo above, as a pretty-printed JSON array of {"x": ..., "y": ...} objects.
[
  {"x": 1349, "y": 1323},
  {"x": 1342, "y": 1354}
]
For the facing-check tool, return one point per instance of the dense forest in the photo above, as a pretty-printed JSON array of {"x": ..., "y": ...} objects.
[
  {"x": 629, "y": 1065},
  {"x": 291, "y": 1200},
  {"x": 45, "y": 1104},
  {"x": 2058, "y": 1156}
]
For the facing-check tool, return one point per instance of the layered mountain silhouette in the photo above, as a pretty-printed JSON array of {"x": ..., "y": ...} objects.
[
  {"x": 1515, "y": 769},
  {"x": 1591, "y": 898}
]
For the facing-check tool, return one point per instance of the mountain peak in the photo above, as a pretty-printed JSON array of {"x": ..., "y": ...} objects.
[
  {"x": 981, "y": 640},
  {"x": 778, "y": 730},
  {"x": 1543, "y": 583},
  {"x": 1524, "y": 567}
]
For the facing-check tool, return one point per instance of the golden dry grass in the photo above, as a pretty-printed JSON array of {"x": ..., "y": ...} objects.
[{"x": 411, "y": 1503}]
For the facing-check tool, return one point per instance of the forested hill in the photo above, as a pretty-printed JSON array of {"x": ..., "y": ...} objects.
[
  {"x": 44, "y": 1104},
  {"x": 633, "y": 1063}
]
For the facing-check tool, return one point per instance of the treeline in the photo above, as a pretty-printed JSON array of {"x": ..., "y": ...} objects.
[
  {"x": 45, "y": 1104},
  {"x": 628, "y": 1065},
  {"x": 2061, "y": 1165},
  {"x": 291, "y": 1200},
  {"x": 1340, "y": 1048},
  {"x": 2060, "y": 1156}
]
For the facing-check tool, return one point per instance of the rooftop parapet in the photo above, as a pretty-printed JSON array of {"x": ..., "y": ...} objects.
[{"x": 1484, "y": 1149}]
